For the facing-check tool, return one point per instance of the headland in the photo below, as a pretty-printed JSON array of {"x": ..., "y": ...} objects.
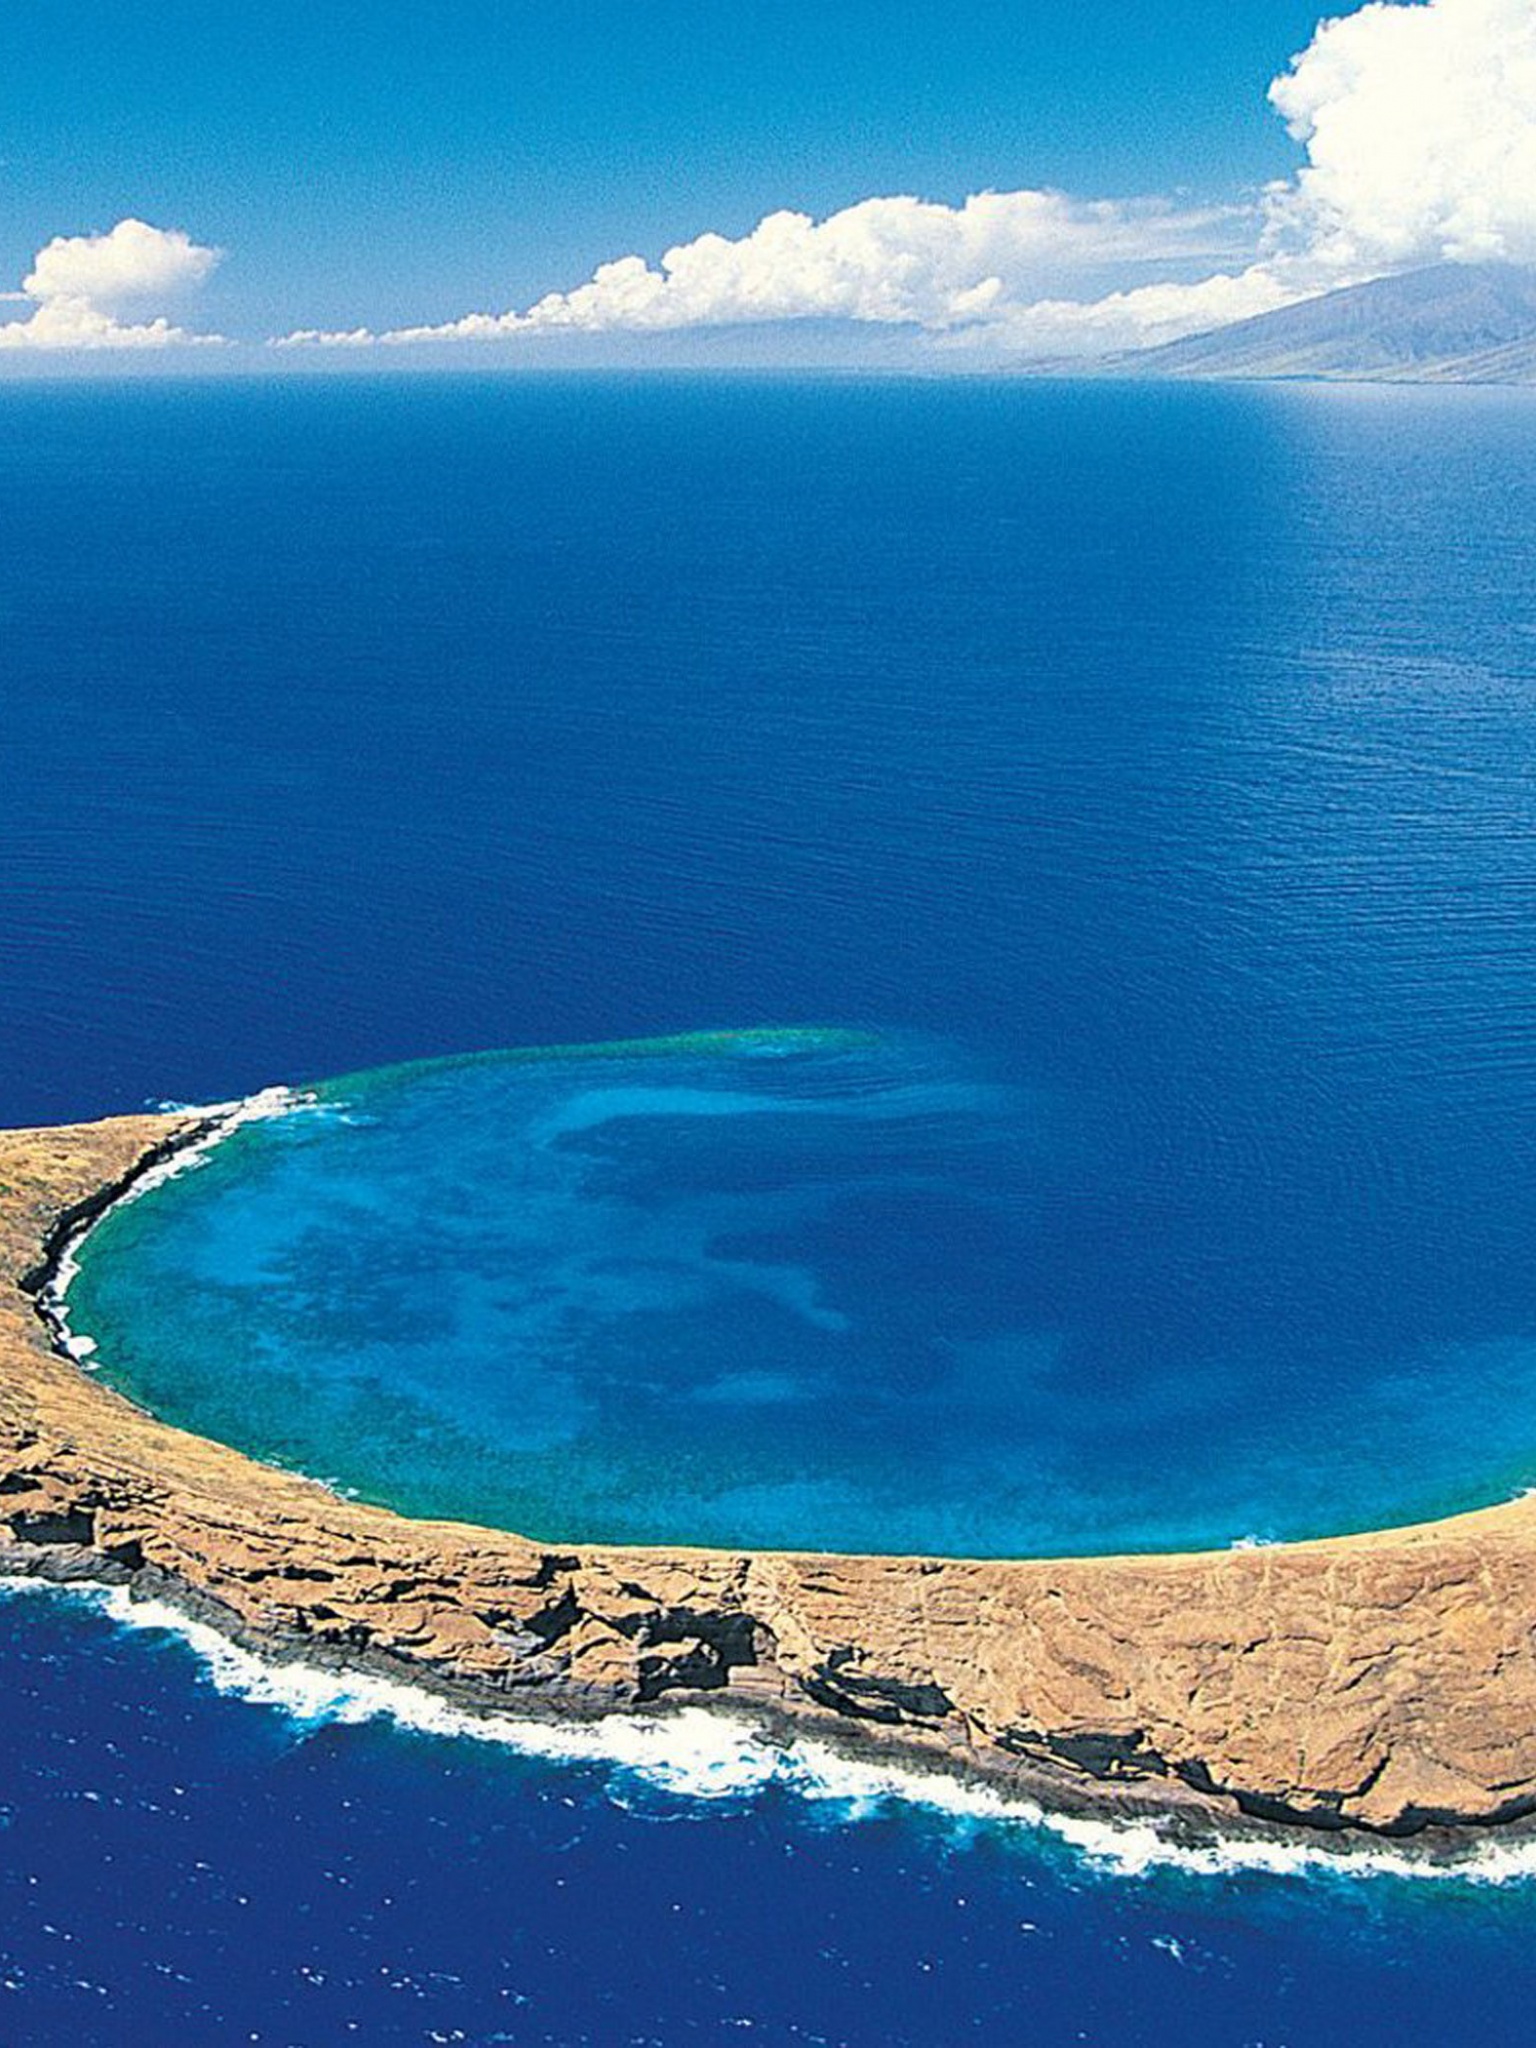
[{"x": 1374, "y": 1684}]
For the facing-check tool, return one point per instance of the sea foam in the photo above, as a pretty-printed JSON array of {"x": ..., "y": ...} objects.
[
  {"x": 696, "y": 1754},
  {"x": 223, "y": 1119}
]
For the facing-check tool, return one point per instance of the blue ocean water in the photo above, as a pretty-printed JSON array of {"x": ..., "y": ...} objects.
[
  {"x": 1161, "y": 756},
  {"x": 182, "y": 1864}
]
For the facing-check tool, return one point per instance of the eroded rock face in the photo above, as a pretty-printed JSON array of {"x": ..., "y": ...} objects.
[{"x": 1384, "y": 1682}]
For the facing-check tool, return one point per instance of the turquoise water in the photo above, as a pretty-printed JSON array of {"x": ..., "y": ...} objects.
[{"x": 770, "y": 1288}]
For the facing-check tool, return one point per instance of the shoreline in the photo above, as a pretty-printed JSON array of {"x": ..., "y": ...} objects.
[
  {"x": 1326, "y": 1692},
  {"x": 200, "y": 1128}
]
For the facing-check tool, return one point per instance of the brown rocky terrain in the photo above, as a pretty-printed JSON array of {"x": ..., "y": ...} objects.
[{"x": 1383, "y": 1682}]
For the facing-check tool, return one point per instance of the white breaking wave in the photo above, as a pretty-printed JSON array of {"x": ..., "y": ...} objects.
[
  {"x": 695, "y": 1753},
  {"x": 225, "y": 1118}
]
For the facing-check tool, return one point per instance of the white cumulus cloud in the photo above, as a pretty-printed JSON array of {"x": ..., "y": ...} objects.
[
  {"x": 1143, "y": 317},
  {"x": 890, "y": 261},
  {"x": 1419, "y": 124},
  {"x": 80, "y": 286},
  {"x": 898, "y": 260}
]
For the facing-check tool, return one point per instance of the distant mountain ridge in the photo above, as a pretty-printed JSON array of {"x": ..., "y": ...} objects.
[{"x": 1456, "y": 323}]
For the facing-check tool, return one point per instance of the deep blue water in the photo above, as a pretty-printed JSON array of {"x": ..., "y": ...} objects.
[
  {"x": 181, "y": 1866},
  {"x": 1163, "y": 756}
]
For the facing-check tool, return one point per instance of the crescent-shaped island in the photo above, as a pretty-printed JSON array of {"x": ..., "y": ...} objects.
[{"x": 1382, "y": 1683}]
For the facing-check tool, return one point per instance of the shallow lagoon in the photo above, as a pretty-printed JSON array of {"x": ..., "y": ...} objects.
[{"x": 772, "y": 1288}]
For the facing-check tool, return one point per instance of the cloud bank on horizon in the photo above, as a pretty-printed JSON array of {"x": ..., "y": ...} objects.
[
  {"x": 1419, "y": 125},
  {"x": 895, "y": 261},
  {"x": 1417, "y": 119},
  {"x": 80, "y": 286}
]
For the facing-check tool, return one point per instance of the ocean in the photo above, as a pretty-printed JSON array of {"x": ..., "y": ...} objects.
[{"x": 1121, "y": 797}]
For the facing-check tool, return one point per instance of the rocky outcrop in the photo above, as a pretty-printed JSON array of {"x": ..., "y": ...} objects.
[{"x": 1383, "y": 1682}]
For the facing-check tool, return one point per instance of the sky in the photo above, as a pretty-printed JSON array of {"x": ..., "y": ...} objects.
[{"x": 510, "y": 180}]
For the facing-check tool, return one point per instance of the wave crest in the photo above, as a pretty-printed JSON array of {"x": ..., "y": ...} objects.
[{"x": 697, "y": 1753}]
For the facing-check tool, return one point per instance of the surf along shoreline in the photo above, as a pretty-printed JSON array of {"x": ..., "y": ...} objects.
[{"x": 1329, "y": 1691}]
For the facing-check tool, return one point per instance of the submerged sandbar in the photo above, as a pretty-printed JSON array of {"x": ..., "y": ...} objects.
[{"x": 1383, "y": 1682}]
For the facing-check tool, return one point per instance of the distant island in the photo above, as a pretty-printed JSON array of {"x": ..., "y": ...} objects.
[{"x": 1454, "y": 323}]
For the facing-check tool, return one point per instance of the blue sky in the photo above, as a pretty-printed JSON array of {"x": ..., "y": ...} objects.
[{"x": 389, "y": 165}]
